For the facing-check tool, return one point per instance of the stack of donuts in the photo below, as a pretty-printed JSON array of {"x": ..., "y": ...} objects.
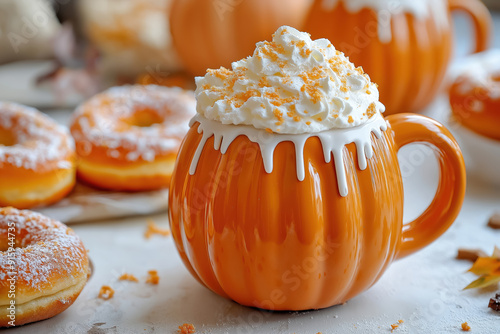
[{"x": 124, "y": 139}]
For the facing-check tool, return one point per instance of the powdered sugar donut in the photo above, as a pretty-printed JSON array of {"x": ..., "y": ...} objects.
[
  {"x": 37, "y": 158},
  {"x": 43, "y": 267},
  {"x": 127, "y": 137}
]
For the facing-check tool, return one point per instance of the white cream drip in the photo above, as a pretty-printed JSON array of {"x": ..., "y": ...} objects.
[
  {"x": 437, "y": 10},
  {"x": 333, "y": 141}
]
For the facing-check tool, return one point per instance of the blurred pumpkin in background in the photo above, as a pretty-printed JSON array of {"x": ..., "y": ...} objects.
[
  {"x": 133, "y": 36},
  {"x": 405, "y": 46},
  {"x": 213, "y": 33}
]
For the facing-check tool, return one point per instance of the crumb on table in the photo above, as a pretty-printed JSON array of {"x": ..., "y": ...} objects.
[
  {"x": 470, "y": 254},
  {"x": 465, "y": 327},
  {"x": 106, "y": 292},
  {"x": 396, "y": 326},
  {"x": 153, "y": 277},
  {"x": 494, "y": 221},
  {"x": 495, "y": 303},
  {"x": 128, "y": 277},
  {"x": 186, "y": 329},
  {"x": 152, "y": 229}
]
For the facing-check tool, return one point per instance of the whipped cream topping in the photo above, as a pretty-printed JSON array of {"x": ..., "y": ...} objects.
[{"x": 291, "y": 85}]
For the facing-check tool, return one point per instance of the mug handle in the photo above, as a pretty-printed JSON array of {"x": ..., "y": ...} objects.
[
  {"x": 441, "y": 213},
  {"x": 481, "y": 18}
]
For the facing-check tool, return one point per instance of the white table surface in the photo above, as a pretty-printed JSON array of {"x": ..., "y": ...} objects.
[{"x": 424, "y": 290}]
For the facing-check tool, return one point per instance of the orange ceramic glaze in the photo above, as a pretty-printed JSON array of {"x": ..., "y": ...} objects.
[
  {"x": 270, "y": 241},
  {"x": 477, "y": 106},
  {"x": 210, "y": 34},
  {"x": 409, "y": 67}
]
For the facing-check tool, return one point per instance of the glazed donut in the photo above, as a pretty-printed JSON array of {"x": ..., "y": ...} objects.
[
  {"x": 127, "y": 137},
  {"x": 37, "y": 158},
  {"x": 43, "y": 267},
  {"x": 475, "y": 95}
]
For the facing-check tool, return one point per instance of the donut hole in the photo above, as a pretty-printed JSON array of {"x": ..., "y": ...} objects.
[
  {"x": 7, "y": 138},
  {"x": 144, "y": 118}
]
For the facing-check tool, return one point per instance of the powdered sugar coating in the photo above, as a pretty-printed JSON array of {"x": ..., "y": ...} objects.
[
  {"x": 45, "y": 251},
  {"x": 38, "y": 140},
  {"x": 102, "y": 122}
]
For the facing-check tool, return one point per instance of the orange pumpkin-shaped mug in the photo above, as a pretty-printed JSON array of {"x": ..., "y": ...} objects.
[
  {"x": 404, "y": 45},
  {"x": 283, "y": 208}
]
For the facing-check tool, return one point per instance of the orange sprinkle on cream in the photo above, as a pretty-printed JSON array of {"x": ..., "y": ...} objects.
[
  {"x": 372, "y": 110},
  {"x": 263, "y": 82},
  {"x": 305, "y": 52},
  {"x": 222, "y": 73},
  {"x": 279, "y": 115}
]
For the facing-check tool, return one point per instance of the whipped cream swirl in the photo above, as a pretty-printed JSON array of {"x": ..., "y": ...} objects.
[{"x": 291, "y": 85}]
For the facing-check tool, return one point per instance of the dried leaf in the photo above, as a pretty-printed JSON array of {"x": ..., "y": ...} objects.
[
  {"x": 488, "y": 268},
  {"x": 485, "y": 266},
  {"x": 483, "y": 282},
  {"x": 496, "y": 252}
]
